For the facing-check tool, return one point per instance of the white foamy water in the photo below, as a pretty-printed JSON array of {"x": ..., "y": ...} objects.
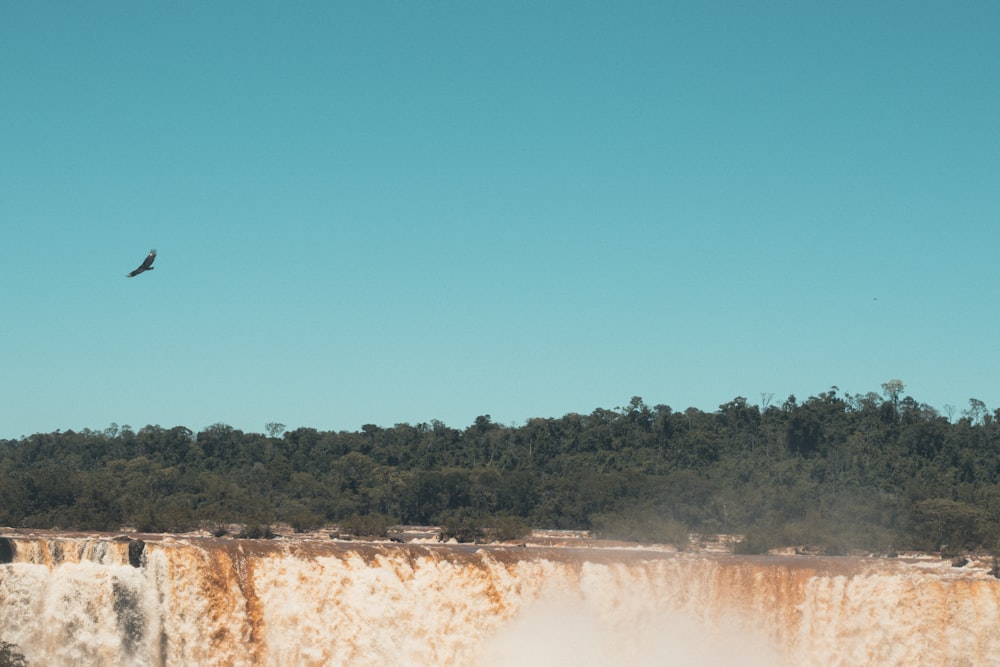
[{"x": 76, "y": 601}]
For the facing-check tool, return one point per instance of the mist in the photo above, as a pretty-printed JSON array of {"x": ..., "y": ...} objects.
[{"x": 579, "y": 633}]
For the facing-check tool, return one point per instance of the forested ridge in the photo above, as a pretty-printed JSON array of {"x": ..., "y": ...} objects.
[{"x": 876, "y": 471}]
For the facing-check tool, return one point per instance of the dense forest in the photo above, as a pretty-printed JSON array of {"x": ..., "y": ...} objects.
[{"x": 877, "y": 471}]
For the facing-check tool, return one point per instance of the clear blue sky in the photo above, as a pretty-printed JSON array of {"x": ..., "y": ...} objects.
[{"x": 384, "y": 212}]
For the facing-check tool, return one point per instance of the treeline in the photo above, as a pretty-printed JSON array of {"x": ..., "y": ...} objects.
[{"x": 875, "y": 471}]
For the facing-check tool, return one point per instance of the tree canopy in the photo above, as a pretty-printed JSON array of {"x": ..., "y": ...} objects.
[{"x": 873, "y": 471}]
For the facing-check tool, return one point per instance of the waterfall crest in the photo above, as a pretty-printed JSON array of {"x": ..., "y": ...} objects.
[{"x": 75, "y": 601}]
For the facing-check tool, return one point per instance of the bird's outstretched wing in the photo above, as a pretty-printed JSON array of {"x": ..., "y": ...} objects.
[{"x": 146, "y": 265}]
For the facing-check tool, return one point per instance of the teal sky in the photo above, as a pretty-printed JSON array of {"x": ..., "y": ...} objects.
[{"x": 384, "y": 212}]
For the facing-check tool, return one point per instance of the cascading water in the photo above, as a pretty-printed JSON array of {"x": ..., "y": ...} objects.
[{"x": 79, "y": 601}]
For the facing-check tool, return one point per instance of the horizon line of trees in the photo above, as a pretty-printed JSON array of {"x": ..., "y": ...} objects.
[{"x": 878, "y": 471}]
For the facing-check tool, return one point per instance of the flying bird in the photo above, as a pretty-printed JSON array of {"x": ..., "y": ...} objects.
[{"x": 147, "y": 264}]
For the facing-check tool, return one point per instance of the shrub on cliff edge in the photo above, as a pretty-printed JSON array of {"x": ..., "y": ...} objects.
[{"x": 10, "y": 656}]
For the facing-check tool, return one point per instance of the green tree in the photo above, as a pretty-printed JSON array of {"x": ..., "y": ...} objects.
[
  {"x": 274, "y": 429},
  {"x": 975, "y": 412},
  {"x": 948, "y": 524},
  {"x": 892, "y": 390}
]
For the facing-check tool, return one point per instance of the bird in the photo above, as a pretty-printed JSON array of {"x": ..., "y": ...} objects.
[{"x": 147, "y": 265}]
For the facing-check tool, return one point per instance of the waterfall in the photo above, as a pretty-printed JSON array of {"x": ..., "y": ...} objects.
[{"x": 165, "y": 601}]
